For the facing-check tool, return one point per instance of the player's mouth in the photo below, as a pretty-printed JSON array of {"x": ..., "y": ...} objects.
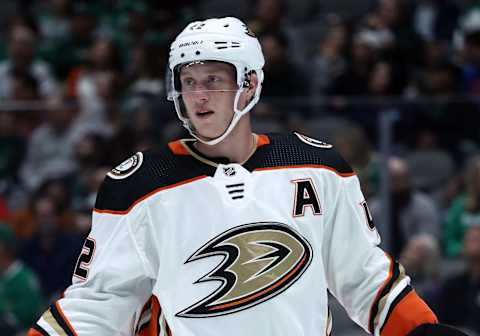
[{"x": 204, "y": 114}]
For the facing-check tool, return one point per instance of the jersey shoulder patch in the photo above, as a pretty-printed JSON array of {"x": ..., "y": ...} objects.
[
  {"x": 313, "y": 142},
  {"x": 127, "y": 167}
]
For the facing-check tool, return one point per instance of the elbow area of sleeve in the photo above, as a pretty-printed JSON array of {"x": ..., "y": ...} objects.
[
  {"x": 410, "y": 312},
  {"x": 52, "y": 322}
]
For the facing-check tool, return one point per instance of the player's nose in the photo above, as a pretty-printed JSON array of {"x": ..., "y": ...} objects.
[{"x": 201, "y": 94}]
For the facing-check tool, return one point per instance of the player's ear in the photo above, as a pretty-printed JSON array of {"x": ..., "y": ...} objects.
[{"x": 250, "y": 85}]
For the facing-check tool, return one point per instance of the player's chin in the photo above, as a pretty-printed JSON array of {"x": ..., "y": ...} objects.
[
  {"x": 210, "y": 133},
  {"x": 207, "y": 136}
]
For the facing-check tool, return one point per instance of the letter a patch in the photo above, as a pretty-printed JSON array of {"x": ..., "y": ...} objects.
[{"x": 305, "y": 196}]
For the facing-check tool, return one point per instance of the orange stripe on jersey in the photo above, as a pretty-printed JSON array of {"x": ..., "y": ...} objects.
[
  {"x": 64, "y": 318},
  {"x": 123, "y": 212},
  {"x": 262, "y": 140},
  {"x": 308, "y": 166},
  {"x": 178, "y": 148},
  {"x": 33, "y": 332},
  {"x": 152, "y": 329},
  {"x": 409, "y": 313}
]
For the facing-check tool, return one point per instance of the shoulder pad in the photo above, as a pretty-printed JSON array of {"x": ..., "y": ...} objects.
[
  {"x": 143, "y": 174},
  {"x": 299, "y": 150}
]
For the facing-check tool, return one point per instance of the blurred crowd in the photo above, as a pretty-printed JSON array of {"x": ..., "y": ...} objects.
[{"x": 83, "y": 86}]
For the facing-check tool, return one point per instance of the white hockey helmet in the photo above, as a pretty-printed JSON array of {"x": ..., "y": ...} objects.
[{"x": 221, "y": 39}]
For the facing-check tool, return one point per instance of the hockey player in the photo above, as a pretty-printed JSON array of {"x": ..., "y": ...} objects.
[{"x": 231, "y": 232}]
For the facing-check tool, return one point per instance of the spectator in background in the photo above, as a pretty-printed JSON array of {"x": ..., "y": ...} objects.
[
  {"x": 90, "y": 157},
  {"x": 353, "y": 144},
  {"x": 22, "y": 43},
  {"x": 86, "y": 194},
  {"x": 269, "y": 16},
  {"x": 433, "y": 167},
  {"x": 464, "y": 211},
  {"x": 460, "y": 299},
  {"x": 90, "y": 152},
  {"x": 442, "y": 83},
  {"x": 133, "y": 21},
  {"x": 26, "y": 221},
  {"x": 329, "y": 62},
  {"x": 284, "y": 79},
  {"x": 435, "y": 20},
  {"x": 51, "y": 251},
  {"x": 97, "y": 85},
  {"x": 412, "y": 212},
  {"x": 421, "y": 258},
  {"x": 145, "y": 92},
  {"x": 54, "y": 22},
  {"x": 363, "y": 55},
  {"x": 468, "y": 41},
  {"x": 145, "y": 72},
  {"x": 25, "y": 93},
  {"x": 391, "y": 18},
  {"x": 50, "y": 149},
  {"x": 382, "y": 82},
  {"x": 12, "y": 150},
  {"x": 73, "y": 50},
  {"x": 20, "y": 296}
]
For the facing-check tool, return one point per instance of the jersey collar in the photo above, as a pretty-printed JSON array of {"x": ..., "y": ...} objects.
[{"x": 186, "y": 147}]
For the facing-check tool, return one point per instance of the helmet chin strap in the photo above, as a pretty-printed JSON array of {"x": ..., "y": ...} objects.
[{"x": 233, "y": 122}]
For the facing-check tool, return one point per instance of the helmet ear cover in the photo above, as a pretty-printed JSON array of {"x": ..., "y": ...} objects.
[{"x": 246, "y": 81}]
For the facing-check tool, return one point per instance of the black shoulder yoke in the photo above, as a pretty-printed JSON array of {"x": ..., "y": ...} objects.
[
  {"x": 159, "y": 169},
  {"x": 297, "y": 150}
]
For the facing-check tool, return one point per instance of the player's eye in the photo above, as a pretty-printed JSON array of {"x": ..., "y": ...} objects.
[
  {"x": 214, "y": 79},
  {"x": 189, "y": 82}
]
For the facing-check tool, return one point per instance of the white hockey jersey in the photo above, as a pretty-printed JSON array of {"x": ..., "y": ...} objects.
[{"x": 186, "y": 245}]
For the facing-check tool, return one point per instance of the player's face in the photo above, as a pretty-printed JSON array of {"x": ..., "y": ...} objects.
[{"x": 208, "y": 92}]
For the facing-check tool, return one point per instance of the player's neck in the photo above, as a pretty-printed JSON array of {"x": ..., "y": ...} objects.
[{"x": 237, "y": 146}]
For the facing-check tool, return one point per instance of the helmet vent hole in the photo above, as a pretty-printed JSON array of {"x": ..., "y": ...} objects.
[
  {"x": 197, "y": 52},
  {"x": 182, "y": 55},
  {"x": 226, "y": 26}
]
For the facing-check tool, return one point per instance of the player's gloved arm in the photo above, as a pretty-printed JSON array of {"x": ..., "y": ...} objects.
[
  {"x": 371, "y": 286},
  {"x": 111, "y": 282}
]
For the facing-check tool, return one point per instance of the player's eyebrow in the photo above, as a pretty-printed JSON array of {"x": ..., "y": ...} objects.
[{"x": 209, "y": 68}]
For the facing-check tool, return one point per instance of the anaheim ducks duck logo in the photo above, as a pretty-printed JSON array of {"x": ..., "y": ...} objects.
[
  {"x": 261, "y": 260},
  {"x": 127, "y": 167},
  {"x": 313, "y": 142}
]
